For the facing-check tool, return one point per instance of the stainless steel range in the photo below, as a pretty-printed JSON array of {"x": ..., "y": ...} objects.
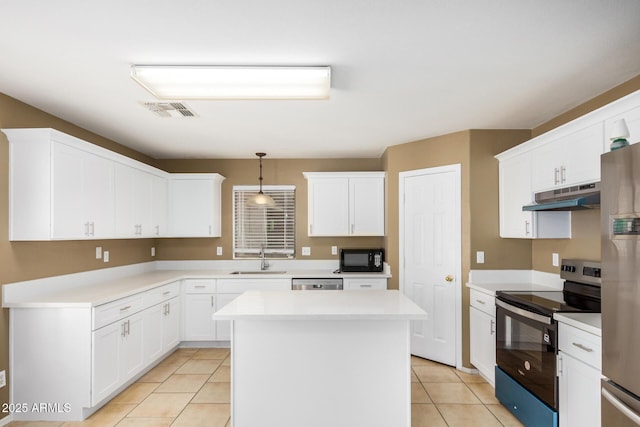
[{"x": 527, "y": 341}]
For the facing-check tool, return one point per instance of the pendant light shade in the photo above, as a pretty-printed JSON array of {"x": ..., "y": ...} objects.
[{"x": 261, "y": 199}]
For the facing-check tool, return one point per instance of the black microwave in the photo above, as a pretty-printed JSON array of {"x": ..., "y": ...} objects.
[{"x": 361, "y": 260}]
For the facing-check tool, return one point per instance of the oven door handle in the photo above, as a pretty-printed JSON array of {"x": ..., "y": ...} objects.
[{"x": 524, "y": 313}]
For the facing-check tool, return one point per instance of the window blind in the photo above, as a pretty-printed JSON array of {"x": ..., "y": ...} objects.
[{"x": 258, "y": 228}]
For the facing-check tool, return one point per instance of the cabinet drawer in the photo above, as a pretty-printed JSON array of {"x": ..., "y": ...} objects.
[
  {"x": 237, "y": 286},
  {"x": 199, "y": 286},
  {"x": 483, "y": 302},
  {"x": 116, "y": 310},
  {"x": 582, "y": 345},
  {"x": 161, "y": 293},
  {"x": 365, "y": 284}
]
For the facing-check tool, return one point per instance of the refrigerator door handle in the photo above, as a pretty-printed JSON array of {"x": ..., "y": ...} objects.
[{"x": 626, "y": 411}]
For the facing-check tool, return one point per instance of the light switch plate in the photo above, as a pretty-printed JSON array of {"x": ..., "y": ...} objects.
[
  {"x": 153, "y": 251},
  {"x": 334, "y": 250},
  {"x": 98, "y": 252},
  {"x": 306, "y": 251},
  {"x": 555, "y": 259},
  {"x": 105, "y": 256},
  {"x": 3, "y": 378},
  {"x": 219, "y": 250}
]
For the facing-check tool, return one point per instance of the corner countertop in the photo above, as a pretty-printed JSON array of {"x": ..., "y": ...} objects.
[
  {"x": 321, "y": 305},
  {"x": 86, "y": 290},
  {"x": 588, "y": 322}
]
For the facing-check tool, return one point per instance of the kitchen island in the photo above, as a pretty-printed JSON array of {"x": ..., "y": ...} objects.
[{"x": 320, "y": 358}]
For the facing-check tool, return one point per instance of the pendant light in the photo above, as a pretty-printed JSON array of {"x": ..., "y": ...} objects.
[{"x": 261, "y": 199}]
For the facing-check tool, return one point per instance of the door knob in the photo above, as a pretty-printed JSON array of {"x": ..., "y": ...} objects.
[{"x": 449, "y": 278}]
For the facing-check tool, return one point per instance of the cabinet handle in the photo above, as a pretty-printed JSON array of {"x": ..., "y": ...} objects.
[
  {"x": 211, "y": 300},
  {"x": 166, "y": 293},
  {"x": 157, "y": 230},
  {"x": 128, "y": 327},
  {"x": 168, "y": 309},
  {"x": 559, "y": 365},
  {"x": 526, "y": 228},
  {"x": 352, "y": 228},
  {"x": 582, "y": 347},
  {"x": 493, "y": 326},
  {"x": 210, "y": 231},
  {"x": 199, "y": 286},
  {"x": 86, "y": 229},
  {"x": 365, "y": 286},
  {"x": 556, "y": 176},
  {"x": 125, "y": 308},
  {"x": 479, "y": 301},
  {"x": 93, "y": 228},
  {"x": 310, "y": 229},
  {"x": 124, "y": 329},
  {"x": 563, "y": 174}
]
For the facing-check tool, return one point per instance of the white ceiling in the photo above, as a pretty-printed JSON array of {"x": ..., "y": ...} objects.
[{"x": 402, "y": 70}]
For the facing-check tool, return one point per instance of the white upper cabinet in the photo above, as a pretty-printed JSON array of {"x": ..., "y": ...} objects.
[
  {"x": 195, "y": 205},
  {"x": 64, "y": 188},
  {"x": 346, "y": 203},
  {"x": 571, "y": 160}
]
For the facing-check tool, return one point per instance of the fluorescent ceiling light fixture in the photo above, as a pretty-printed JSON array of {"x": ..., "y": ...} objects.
[{"x": 172, "y": 82}]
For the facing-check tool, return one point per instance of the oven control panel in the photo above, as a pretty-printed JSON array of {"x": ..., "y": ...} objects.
[{"x": 581, "y": 271}]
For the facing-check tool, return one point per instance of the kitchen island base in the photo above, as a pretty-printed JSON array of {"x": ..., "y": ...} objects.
[{"x": 320, "y": 358}]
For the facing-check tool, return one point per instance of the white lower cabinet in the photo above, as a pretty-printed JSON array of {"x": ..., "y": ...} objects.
[
  {"x": 579, "y": 375},
  {"x": 161, "y": 329},
  {"x": 117, "y": 355},
  {"x": 199, "y": 306},
  {"x": 482, "y": 332}
]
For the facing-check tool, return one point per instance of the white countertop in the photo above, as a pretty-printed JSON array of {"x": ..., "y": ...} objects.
[
  {"x": 90, "y": 289},
  {"x": 491, "y": 288},
  {"x": 589, "y": 322},
  {"x": 321, "y": 305}
]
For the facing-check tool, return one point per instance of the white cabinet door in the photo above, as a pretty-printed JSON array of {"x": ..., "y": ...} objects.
[
  {"x": 515, "y": 192},
  {"x": 131, "y": 352},
  {"x": 194, "y": 205},
  {"x": 579, "y": 392},
  {"x": 105, "y": 369},
  {"x": 133, "y": 202},
  {"x": 223, "y": 327},
  {"x": 329, "y": 207},
  {"x": 366, "y": 206},
  {"x": 483, "y": 342},
  {"x": 171, "y": 324},
  {"x": 82, "y": 199},
  {"x": 152, "y": 327},
  {"x": 159, "y": 206},
  {"x": 198, "y": 323}
]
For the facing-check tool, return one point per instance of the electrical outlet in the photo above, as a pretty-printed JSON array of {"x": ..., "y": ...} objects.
[
  {"x": 334, "y": 250},
  {"x": 98, "y": 252},
  {"x": 3, "y": 378},
  {"x": 153, "y": 251},
  {"x": 480, "y": 257},
  {"x": 306, "y": 251},
  {"x": 555, "y": 259},
  {"x": 219, "y": 250},
  {"x": 105, "y": 256}
]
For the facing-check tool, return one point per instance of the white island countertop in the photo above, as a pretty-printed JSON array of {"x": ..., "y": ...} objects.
[{"x": 321, "y": 305}]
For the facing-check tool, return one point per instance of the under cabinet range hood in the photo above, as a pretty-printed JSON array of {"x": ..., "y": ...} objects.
[{"x": 575, "y": 197}]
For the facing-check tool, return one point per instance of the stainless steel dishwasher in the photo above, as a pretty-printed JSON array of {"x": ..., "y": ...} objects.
[{"x": 304, "y": 284}]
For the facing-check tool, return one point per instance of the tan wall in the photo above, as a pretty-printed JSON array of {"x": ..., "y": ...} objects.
[
  {"x": 30, "y": 260},
  {"x": 275, "y": 172},
  {"x": 585, "y": 225},
  {"x": 474, "y": 150}
]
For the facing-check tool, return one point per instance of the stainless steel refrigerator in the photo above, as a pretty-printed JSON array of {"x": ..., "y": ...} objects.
[{"x": 620, "y": 211}]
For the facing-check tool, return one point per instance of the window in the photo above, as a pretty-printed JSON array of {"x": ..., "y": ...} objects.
[{"x": 257, "y": 228}]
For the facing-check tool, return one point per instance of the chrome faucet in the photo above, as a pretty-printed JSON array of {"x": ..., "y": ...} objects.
[{"x": 264, "y": 264}]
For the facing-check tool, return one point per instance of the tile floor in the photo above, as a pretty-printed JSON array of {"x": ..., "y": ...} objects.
[{"x": 191, "y": 388}]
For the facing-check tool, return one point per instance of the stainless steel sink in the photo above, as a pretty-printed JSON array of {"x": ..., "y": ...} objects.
[{"x": 259, "y": 272}]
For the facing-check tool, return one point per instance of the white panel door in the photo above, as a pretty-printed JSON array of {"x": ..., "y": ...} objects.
[{"x": 431, "y": 259}]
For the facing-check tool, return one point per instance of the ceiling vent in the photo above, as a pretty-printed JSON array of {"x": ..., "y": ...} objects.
[{"x": 169, "y": 109}]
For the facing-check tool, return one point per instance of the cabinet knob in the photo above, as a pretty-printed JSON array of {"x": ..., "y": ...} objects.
[{"x": 449, "y": 278}]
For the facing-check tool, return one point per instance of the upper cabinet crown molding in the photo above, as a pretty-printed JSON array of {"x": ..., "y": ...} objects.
[
  {"x": 64, "y": 188},
  {"x": 346, "y": 203}
]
